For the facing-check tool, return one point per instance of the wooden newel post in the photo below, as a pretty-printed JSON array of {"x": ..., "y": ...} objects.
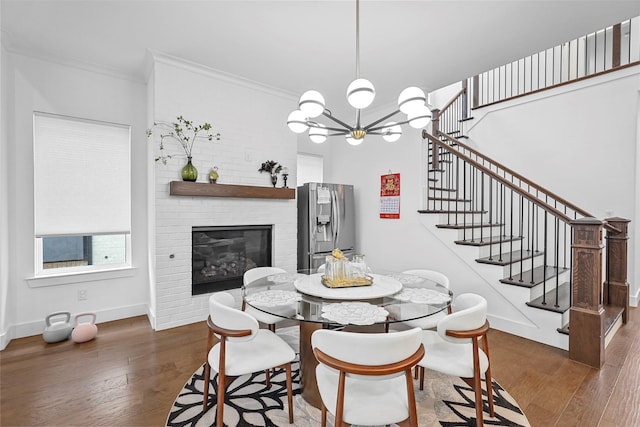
[
  {"x": 435, "y": 128},
  {"x": 586, "y": 316},
  {"x": 616, "y": 287}
]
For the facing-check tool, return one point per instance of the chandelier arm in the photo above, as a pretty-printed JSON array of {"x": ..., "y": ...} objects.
[
  {"x": 370, "y": 126},
  {"x": 316, "y": 125},
  {"x": 381, "y": 127},
  {"x": 341, "y": 133},
  {"x": 340, "y": 122}
]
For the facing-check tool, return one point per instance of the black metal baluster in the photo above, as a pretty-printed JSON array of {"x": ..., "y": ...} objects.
[{"x": 544, "y": 259}]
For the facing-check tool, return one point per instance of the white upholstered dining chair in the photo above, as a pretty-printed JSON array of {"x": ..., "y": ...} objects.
[
  {"x": 365, "y": 378},
  {"x": 243, "y": 348},
  {"x": 270, "y": 320},
  {"x": 459, "y": 347}
]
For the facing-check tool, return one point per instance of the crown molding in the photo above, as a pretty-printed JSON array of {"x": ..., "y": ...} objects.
[
  {"x": 15, "y": 49},
  {"x": 163, "y": 58}
]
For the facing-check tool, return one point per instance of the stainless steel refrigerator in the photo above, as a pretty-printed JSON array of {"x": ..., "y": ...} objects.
[{"x": 326, "y": 221}]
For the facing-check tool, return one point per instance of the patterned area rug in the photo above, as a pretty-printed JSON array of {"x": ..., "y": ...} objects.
[{"x": 446, "y": 401}]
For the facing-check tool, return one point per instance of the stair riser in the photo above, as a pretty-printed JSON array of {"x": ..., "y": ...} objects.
[
  {"x": 476, "y": 232},
  {"x": 459, "y": 218},
  {"x": 496, "y": 249},
  {"x": 538, "y": 290},
  {"x": 526, "y": 265},
  {"x": 447, "y": 205},
  {"x": 435, "y": 194}
]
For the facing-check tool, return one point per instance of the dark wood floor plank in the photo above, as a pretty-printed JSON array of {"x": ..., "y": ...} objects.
[{"x": 130, "y": 375}]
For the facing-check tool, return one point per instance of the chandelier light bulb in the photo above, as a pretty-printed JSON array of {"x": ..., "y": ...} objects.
[
  {"x": 311, "y": 103},
  {"x": 360, "y": 93},
  {"x": 318, "y": 134},
  {"x": 410, "y": 99},
  {"x": 419, "y": 117},
  {"x": 391, "y": 132},
  {"x": 352, "y": 141},
  {"x": 297, "y": 121}
]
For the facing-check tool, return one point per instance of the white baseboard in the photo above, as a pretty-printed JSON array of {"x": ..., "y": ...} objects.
[
  {"x": 5, "y": 338},
  {"x": 37, "y": 327}
]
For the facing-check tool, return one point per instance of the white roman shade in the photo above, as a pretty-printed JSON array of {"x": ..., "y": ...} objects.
[{"x": 82, "y": 176}]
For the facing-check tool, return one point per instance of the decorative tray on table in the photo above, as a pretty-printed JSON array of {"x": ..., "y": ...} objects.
[{"x": 347, "y": 283}]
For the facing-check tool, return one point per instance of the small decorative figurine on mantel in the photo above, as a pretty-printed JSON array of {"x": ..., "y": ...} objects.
[
  {"x": 273, "y": 168},
  {"x": 213, "y": 175}
]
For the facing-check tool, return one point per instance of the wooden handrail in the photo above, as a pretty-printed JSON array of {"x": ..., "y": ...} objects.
[
  {"x": 509, "y": 171},
  {"x": 513, "y": 173},
  {"x": 555, "y": 212},
  {"x": 453, "y": 99}
]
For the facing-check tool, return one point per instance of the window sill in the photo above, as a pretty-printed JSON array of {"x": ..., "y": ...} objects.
[{"x": 80, "y": 277}]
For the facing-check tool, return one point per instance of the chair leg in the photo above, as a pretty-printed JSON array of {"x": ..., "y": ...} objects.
[
  {"x": 324, "y": 416},
  {"x": 267, "y": 374},
  {"x": 222, "y": 387},
  {"x": 205, "y": 391},
  {"x": 487, "y": 377},
  {"x": 477, "y": 385},
  {"x": 421, "y": 377},
  {"x": 289, "y": 392}
]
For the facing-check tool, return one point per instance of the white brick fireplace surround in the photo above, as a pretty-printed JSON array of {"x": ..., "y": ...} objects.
[
  {"x": 176, "y": 215},
  {"x": 203, "y": 95}
]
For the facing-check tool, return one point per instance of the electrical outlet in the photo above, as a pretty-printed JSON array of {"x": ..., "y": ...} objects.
[{"x": 82, "y": 295}]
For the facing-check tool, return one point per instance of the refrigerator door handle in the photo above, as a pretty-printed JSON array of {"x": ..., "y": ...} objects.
[{"x": 336, "y": 217}]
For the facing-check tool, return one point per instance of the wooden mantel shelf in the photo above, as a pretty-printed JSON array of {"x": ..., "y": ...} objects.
[{"x": 203, "y": 189}]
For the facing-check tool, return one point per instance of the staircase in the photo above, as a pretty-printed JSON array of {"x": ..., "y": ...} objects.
[{"x": 533, "y": 239}]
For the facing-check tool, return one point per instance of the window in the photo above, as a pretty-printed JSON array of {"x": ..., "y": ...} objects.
[
  {"x": 82, "y": 195},
  {"x": 309, "y": 168}
]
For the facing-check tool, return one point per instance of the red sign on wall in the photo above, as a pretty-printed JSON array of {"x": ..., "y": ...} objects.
[{"x": 390, "y": 196}]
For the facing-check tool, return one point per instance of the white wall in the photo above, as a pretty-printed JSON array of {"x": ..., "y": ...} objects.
[
  {"x": 252, "y": 121},
  {"x": 37, "y": 85},
  {"x": 580, "y": 141}
]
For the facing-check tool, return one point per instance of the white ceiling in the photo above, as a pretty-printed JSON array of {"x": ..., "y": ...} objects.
[{"x": 297, "y": 45}]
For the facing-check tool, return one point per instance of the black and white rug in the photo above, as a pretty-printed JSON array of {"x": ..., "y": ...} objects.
[{"x": 446, "y": 401}]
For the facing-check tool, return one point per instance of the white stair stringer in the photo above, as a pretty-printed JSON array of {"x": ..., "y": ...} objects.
[{"x": 507, "y": 309}]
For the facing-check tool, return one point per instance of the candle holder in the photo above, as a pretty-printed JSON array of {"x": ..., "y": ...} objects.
[{"x": 285, "y": 175}]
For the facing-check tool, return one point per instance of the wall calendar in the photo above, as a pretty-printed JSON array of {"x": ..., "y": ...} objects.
[{"x": 390, "y": 196}]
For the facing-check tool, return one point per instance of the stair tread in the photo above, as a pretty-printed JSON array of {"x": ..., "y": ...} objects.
[
  {"x": 463, "y": 226},
  {"x": 611, "y": 314},
  {"x": 440, "y": 188},
  {"x": 548, "y": 300},
  {"x": 448, "y": 199},
  {"x": 461, "y": 212},
  {"x": 488, "y": 240},
  {"x": 540, "y": 274},
  {"x": 506, "y": 258}
]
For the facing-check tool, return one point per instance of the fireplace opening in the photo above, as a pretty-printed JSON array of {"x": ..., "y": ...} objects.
[{"x": 221, "y": 255}]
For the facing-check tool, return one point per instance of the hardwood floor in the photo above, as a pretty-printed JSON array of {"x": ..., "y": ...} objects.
[{"x": 130, "y": 375}]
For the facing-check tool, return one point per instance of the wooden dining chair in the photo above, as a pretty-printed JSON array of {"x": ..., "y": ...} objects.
[
  {"x": 243, "y": 348},
  {"x": 365, "y": 378},
  {"x": 459, "y": 347}
]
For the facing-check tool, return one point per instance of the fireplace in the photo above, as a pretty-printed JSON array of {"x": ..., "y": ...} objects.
[{"x": 221, "y": 255}]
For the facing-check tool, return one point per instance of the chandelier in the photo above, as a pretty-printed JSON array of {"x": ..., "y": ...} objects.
[{"x": 360, "y": 94}]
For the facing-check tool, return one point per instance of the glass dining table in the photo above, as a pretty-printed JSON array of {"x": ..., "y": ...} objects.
[{"x": 303, "y": 297}]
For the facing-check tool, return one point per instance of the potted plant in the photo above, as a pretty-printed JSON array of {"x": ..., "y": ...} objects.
[
  {"x": 273, "y": 168},
  {"x": 185, "y": 133}
]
